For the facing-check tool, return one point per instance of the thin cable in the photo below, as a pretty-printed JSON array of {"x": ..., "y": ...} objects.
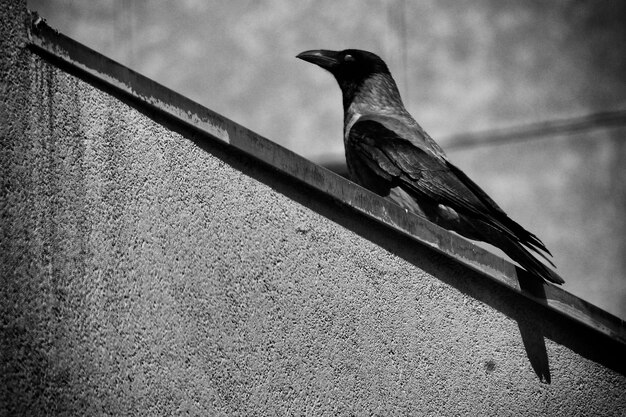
[{"x": 537, "y": 130}]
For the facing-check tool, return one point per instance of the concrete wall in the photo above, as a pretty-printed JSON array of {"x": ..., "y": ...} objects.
[{"x": 148, "y": 271}]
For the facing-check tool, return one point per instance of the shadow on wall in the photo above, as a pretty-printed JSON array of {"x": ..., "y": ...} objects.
[{"x": 532, "y": 335}]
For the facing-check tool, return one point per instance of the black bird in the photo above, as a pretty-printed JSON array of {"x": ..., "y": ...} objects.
[{"x": 390, "y": 154}]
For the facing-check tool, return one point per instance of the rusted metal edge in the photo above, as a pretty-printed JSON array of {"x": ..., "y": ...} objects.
[{"x": 50, "y": 43}]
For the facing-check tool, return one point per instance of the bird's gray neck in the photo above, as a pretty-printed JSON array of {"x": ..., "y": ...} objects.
[{"x": 378, "y": 92}]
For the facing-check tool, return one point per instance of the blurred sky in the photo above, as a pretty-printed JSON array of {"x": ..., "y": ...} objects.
[{"x": 461, "y": 67}]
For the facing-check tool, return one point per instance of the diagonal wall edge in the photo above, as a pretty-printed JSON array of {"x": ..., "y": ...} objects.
[{"x": 65, "y": 51}]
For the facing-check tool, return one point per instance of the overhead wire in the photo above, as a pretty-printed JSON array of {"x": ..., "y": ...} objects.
[{"x": 535, "y": 131}]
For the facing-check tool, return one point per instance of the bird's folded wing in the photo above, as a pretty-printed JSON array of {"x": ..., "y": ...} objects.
[
  {"x": 392, "y": 156},
  {"x": 407, "y": 128},
  {"x": 426, "y": 174}
]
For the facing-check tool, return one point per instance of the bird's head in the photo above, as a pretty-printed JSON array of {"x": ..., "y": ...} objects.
[
  {"x": 347, "y": 65},
  {"x": 352, "y": 68}
]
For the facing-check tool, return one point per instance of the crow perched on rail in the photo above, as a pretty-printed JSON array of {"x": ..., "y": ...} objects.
[{"x": 391, "y": 155}]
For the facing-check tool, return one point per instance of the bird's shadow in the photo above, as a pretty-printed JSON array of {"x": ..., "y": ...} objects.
[{"x": 531, "y": 333}]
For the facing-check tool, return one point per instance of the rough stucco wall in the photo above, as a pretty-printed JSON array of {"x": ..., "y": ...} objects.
[{"x": 143, "y": 273}]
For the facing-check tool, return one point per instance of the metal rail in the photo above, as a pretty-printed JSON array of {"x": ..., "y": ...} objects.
[{"x": 107, "y": 74}]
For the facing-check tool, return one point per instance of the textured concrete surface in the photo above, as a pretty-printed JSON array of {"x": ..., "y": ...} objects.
[{"x": 145, "y": 271}]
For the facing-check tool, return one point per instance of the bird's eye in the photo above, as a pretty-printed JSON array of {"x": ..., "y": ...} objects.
[{"x": 348, "y": 58}]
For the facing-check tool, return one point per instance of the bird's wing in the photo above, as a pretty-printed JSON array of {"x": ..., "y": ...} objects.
[
  {"x": 407, "y": 128},
  {"x": 425, "y": 174},
  {"x": 415, "y": 168}
]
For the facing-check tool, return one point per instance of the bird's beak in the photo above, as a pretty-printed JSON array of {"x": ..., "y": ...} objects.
[{"x": 324, "y": 58}]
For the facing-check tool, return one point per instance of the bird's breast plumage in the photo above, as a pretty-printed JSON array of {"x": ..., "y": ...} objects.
[{"x": 378, "y": 99}]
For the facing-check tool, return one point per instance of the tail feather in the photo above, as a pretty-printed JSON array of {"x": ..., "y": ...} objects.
[
  {"x": 516, "y": 251},
  {"x": 500, "y": 219},
  {"x": 501, "y": 232}
]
